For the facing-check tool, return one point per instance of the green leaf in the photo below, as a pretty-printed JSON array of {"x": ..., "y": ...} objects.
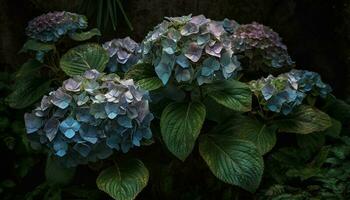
[
  {"x": 28, "y": 91},
  {"x": 230, "y": 93},
  {"x": 124, "y": 180},
  {"x": 84, "y": 57},
  {"x": 180, "y": 125},
  {"x": 232, "y": 160},
  {"x": 56, "y": 173},
  {"x": 140, "y": 71},
  {"x": 34, "y": 45},
  {"x": 304, "y": 120},
  {"x": 144, "y": 76},
  {"x": 246, "y": 128},
  {"x": 82, "y": 36},
  {"x": 150, "y": 84}
]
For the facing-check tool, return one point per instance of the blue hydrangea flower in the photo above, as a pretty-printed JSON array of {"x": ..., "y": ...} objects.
[
  {"x": 260, "y": 43},
  {"x": 183, "y": 48},
  {"x": 89, "y": 117},
  {"x": 123, "y": 54},
  {"x": 52, "y": 26},
  {"x": 288, "y": 90}
]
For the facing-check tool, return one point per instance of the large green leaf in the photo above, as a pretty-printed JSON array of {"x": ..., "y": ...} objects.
[
  {"x": 56, "y": 173},
  {"x": 260, "y": 134},
  {"x": 84, "y": 57},
  {"x": 244, "y": 127},
  {"x": 124, "y": 180},
  {"x": 180, "y": 126},
  {"x": 304, "y": 120},
  {"x": 82, "y": 36},
  {"x": 232, "y": 160},
  {"x": 143, "y": 74},
  {"x": 230, "y": 93}
]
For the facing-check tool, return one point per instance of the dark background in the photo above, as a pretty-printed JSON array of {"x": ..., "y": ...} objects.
[{"x": 317, "y": 33}]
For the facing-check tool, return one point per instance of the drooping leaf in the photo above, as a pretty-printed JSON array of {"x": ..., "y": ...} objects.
[
  {"x": 84, "y": 57},
  {"x": 34, "y": 45},
  {"x": 56, "y": 173},
  {"x": 232, "y": 160},
  {"x": 82, "y": 36},
  {"x": 143, "y": 74},
  {"x": 231, "y": 93},
  {"x": 124, "y": 180},
  {"x": 304, "y": 120},
  {"x": 180, "y": 126}
]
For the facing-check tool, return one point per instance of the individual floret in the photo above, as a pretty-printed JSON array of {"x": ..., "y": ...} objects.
[
  {"x": 123, "y": 54},
  {"x": 89, "y": 116}
]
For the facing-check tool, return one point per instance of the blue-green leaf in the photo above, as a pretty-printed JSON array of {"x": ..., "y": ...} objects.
[
  {"x": 180, "y": 126},
  {"x": 232, "y": 160}
]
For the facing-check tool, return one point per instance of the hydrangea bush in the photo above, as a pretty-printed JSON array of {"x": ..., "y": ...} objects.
[
  {"x": 123, "y": 54},
  {"x": 288, "y": 90},
  {"x": 198, "y": 71},
  {"x": 191, "y": 49},
  {"x": 89, "y": 116},
  {"x": 52, "y": 26}
]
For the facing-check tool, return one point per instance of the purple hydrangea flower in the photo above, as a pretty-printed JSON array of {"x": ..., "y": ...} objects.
[
  {"x": 256, "y": 41},
  {"x": 52, "y": 26}
]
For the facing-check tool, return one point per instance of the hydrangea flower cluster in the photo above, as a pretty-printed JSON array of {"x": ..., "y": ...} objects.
[
  {"x": 257, "y": 41},
  {"x": 52, "y": 26},
  {"x": 89, "y": 116},
  {"x": 284, "y": 92},
  {"x": 193, "y": 48},
  {"x": 123, "y": 54}
]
